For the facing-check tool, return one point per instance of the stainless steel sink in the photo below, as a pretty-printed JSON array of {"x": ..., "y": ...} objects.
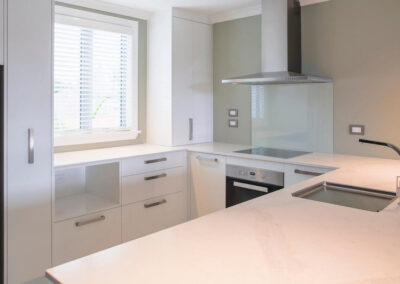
[{"x": 350, "y": 196}]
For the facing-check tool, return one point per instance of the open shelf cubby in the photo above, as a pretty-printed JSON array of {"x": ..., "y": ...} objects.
[{"x": 86, "y": 189}]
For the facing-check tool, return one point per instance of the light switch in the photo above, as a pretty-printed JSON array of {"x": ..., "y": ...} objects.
[
  {"x": 357, "y": 129},
  {"x": 233, "y": 123},
  {"x": 233, "y": 112}
]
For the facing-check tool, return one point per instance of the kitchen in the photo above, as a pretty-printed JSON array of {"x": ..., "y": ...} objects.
[{"x": 149, "y": 154}]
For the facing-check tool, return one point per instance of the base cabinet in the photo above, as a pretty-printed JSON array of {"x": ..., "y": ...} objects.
[
  {"x": 98, "y": 206},
  {"x": 207, "y": 184},
  {"x": 82, "y": 236},
  {"x": 295, "y": 174},
  {"x": 149, "y": 216}
]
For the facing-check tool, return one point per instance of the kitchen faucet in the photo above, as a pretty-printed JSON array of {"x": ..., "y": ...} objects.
[
  {"x": 381, "y": 144},
  {"x": 392, "y": 147}
]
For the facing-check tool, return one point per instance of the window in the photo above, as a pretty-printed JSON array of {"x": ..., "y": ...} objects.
[{"x": 95, "y": 78}]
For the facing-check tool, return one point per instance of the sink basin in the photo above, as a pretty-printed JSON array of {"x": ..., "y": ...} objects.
[{"x": 350, "y": 196}]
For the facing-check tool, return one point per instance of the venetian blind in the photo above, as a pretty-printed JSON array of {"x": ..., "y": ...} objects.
[{"x": 92, "y": 79}]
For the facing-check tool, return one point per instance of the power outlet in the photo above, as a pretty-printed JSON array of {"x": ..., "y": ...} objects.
[
  {"x": 356, "y": 129},
  {"x": 233, "y": 123}
]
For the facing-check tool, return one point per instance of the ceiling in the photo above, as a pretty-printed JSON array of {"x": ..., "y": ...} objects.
[{"x": 208, "y": 7}]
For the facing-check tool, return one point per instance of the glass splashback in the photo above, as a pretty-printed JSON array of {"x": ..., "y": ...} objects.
[{"x": 295, "y": 117}]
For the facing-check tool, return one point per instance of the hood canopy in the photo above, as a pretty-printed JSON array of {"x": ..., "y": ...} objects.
[{"x": 281, "y": 47}]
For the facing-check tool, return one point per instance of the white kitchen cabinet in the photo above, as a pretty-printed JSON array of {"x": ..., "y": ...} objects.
[
  {"x": 28, "y": 100},
  {"x": 99, "y": 205},
  {"x": 207, "y": 185},
  {"x": 181, "y": 112},
  {"x": 82, "y": 190},
  {"x": 82, "y": 236},
  {"x": 295, "y": 173},
  {"x": 154, "y": 193},
  {"x": 192, "y": 82},
  {"x": 152, "y": 215}
]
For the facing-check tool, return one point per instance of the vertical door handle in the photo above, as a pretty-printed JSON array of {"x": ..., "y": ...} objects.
[
  {"x": 31, "y": 146},
  {"x": 190, "y": 129}
]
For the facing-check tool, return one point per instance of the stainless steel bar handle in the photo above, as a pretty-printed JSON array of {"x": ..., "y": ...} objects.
[
  {"x": 155, "y": 161},
  {"x": 307, "y": 173},
  {"x": 250, "y": 186},
  {"x": 97, "y": 219},
  {"x": 155, "y": 177},
  {"x": 155, "y": 203},
  {"x": 207, "y": 159},
  {"x": 31, "y": 146},
  {"x": 190, "y": 129}
]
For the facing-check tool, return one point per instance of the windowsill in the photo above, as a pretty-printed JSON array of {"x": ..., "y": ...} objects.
[{"x": 94, "y": 138}]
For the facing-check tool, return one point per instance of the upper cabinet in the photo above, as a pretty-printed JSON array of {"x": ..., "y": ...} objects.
[{"x": 180, "y": 97}]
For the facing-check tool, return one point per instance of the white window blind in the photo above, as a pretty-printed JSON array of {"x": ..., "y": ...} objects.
[{"x": 93, "y": 78}]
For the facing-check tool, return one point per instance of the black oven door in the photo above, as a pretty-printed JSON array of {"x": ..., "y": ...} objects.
[{"x": 238, "y": 190}]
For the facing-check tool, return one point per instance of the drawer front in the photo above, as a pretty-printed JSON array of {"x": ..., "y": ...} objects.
[
  {"x": 146, "y": 217},
  {"x": 82, "y": 236},
  {"x": 295, "y": 174},
  {"x": 145, "y": 186},
  {"x": 151, "y": 163}
]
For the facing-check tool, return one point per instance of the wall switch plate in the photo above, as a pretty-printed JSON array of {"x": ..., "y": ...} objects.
[
  {"x": 233, "y": 123},
  {"x": 233, "y": 112},
  {"x": 357, "y": 129}
]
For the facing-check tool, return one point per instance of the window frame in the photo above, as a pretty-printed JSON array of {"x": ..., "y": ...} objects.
[{"x": 65, "y": 15}]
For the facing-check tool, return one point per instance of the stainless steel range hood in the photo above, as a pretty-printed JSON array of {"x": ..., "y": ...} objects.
[{"x": 281, "y": 47}]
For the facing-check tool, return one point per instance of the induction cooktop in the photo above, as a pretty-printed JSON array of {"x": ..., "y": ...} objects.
[{"x": 271, "y": 152}]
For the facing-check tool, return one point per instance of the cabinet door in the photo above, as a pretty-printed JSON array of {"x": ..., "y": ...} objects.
[
  {"x": 208, "y": 181},
  {"x": 202, "y": 83},
  {"x": 295, "y": 174},
  {"x": 182, "y": 72},
  {"x": 29, "y": 105},
  {"x": 192, "y": 82}
]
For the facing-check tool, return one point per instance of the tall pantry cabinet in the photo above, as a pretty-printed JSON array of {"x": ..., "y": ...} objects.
[
  {"x": 180, "y": 79},
  {"x": 28, "y": 138}
]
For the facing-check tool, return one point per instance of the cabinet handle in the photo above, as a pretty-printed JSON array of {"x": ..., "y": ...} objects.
[
  {"x": 250, "y": 186},
  {"x": 215, "y": 160},
  {"x": 155, "y": 177},
  {"x": 307, "y": 173},
  {"x": 97, "y": 219},
  {"x": 31, "y": 146},
  {"x": 190, "y": 129},
  {"x": 155, "y": 203},
  {"x": 155, "y": 161}
]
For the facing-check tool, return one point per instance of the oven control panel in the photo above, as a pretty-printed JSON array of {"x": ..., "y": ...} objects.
[{"x": 255, "y": 174}]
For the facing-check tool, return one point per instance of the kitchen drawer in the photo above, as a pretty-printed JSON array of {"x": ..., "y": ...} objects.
[
  {"x": 146, "y": 217},
  {"x": 82, "y": 236},
  {"x": 295, "y": 174},
  {"x": 144, "y": 186},
  {"x": 153, "y": 162}
]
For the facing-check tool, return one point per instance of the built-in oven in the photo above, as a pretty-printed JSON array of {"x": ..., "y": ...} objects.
[{"x": 244, "y": 183}]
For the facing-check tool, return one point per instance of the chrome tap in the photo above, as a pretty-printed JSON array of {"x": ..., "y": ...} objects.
[{"x": 381, "y": 144}]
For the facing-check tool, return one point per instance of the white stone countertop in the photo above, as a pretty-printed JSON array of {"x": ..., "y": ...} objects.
[{"x": 276, "y": 238}]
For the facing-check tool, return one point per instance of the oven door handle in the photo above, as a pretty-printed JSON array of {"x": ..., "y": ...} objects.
[{"x": 250, "y": 186}]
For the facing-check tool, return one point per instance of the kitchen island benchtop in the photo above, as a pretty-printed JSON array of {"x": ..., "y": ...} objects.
[{"x": 276, "y": 238}]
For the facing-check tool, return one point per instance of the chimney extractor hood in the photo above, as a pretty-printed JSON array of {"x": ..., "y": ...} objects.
[{"x": 281, "y": 47}]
